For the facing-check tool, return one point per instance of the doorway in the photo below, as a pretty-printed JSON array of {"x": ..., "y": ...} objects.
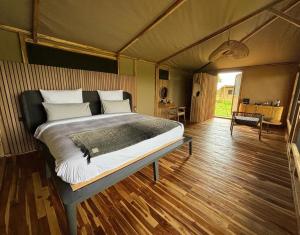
[{"x": 228, "y": 91}]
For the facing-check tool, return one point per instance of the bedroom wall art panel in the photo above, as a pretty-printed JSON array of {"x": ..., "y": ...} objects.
[{"x": 17, "y": 77}]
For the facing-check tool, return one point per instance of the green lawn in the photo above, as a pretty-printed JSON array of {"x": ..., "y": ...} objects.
[{"x": 223, "y": 108}]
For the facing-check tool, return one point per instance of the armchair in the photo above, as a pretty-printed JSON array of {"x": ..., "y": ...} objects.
[{"x": 248, "y": 119}]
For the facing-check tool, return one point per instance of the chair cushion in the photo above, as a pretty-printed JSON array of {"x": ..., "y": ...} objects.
[{"x": 244, "y": 120}]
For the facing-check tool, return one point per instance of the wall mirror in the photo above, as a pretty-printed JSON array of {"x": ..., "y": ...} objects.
[{"x": 163, "y": 92}]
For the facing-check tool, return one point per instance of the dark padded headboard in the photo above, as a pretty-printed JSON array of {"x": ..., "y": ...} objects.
[{"x": 34, "y": 113}]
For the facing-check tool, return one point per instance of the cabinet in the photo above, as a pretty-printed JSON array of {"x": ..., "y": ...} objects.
[{"x": 271, "y": 114}]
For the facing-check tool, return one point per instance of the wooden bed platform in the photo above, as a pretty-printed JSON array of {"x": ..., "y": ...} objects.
[
  {"x": 107, "y": 173},
  {"x": 71, "y": 195}
]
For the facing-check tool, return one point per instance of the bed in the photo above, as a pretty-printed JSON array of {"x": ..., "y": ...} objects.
[{"x": 74, "y": 178}]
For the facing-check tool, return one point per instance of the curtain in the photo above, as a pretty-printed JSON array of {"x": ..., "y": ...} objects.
[{"x": 203, "y": 97}]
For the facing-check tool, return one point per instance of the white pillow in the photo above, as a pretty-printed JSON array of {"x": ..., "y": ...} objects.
[
  {"x": 111, "y": 95},
  {"x": 116, "y": 106},
  {"x": 62, "y": 96},
  {"x": 64, "y": 111}
]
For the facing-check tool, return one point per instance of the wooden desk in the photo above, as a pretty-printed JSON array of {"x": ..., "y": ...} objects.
[{"x": 164, "y": 108}]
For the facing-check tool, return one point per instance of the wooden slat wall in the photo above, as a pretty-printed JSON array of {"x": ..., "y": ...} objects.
[
  {"x": 203, "y": 106},
  {"x": 18, "y": 77}
]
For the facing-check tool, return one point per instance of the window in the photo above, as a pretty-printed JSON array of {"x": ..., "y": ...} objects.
[
  {"x": 44, "y": 55},
  {"x": 229, "y": 92}
]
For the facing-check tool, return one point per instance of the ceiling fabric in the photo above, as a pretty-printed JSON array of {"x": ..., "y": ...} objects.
[
  {"x": 192, "y": 21},
  {"x": 109, "y": 25},
  {"x": 104, "y": 24},
  {"x": 279, "y": 42},
  {"x": 16, "y": 13}
]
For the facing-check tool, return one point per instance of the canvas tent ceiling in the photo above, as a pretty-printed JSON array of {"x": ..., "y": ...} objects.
[{"x": 111, "y": 24}]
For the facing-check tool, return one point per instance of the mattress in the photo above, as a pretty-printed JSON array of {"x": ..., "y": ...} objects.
[{"x": 72, "y": 167}]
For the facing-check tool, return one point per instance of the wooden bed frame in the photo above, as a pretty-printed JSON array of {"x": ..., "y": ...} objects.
[
  {"x": 85, "y": 183},
  {"x": 71, "y": 195}
]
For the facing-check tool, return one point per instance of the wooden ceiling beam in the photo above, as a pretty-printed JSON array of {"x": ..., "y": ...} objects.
[
  {"x": 270, "y": 21},
  {"x": 285, "y": 17},
  {"x": 57, "y": 42},
  {"x": 241, "y": 68},
  {"x": 68, "y": 45},
  {"x": 35, "y": 19},
  {"x": 14, "y": 29},
  {"x": 160, "y": 18},
  {"x": 222, "y": 30}
]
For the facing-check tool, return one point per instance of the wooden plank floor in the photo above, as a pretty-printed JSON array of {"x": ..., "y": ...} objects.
[{"x": 230, "y": 185}]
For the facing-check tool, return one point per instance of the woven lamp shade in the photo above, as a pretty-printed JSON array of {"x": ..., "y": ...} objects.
[{"x": 231, "y": 48}]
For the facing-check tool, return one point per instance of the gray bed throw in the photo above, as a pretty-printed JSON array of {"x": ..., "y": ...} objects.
[{"x": 112, "y": 138}]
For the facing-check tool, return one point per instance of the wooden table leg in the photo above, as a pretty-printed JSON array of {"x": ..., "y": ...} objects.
[
  {"x": 231, "y": 126},
  {"x": 190, "y": 148},
  {"x": 155, "y": 170}
]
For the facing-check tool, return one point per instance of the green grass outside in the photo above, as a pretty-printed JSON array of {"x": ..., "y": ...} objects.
[{"x": 223, "y": 108}]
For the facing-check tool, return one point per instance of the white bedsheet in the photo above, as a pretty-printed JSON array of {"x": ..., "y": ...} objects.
[{"x": 71, "y": 167}]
